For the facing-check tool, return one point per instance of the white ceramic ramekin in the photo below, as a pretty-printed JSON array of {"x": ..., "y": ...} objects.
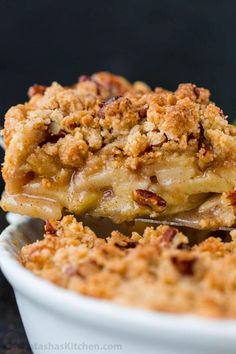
[{"x": 60, "y": 321}]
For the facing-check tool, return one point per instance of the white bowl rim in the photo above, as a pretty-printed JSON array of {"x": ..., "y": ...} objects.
[{"x": 143, "y": 324}]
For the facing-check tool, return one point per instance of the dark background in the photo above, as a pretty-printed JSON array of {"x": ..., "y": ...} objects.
[{"x": 161, "y": 42}]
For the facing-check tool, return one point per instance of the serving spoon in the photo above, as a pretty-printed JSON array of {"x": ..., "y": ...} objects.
[{"x": 178, "y": 222}]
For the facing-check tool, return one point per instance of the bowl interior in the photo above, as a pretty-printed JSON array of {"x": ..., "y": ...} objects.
[{"x": 138, "y": 322}]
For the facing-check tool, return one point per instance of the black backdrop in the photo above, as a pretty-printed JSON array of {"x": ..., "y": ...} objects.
[{"x": 162, "y": 42}]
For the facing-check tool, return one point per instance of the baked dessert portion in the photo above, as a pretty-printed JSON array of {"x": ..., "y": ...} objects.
[
  {"x": 110, "y": 148},
  {"x": 157, "y": 270}
]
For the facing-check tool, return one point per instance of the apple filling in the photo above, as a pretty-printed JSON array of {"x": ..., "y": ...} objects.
[{"x": 178, "y": 190}]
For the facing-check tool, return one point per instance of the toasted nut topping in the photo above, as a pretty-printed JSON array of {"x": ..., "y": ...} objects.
[
  {"x": 83, "y": 78},
  {"x": 101, "y": 112},
  {"x": 231, "y": 196},
  {"x": 148, "y": 198},
  {"x": 185, "y": 266},
  {"x": 36, "y": 89},
  {"x": 49, "y": 229},
  {"x": 168, "y": 236},
  {"x": 143, "y": 111},
  {"x": 196, "y": 91},
  {"x": 153, "y": 179}
]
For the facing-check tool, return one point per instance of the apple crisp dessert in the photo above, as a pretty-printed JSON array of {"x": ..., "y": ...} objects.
[
  {"x": 158, "y": 270},
  {"x": 109, "y": 148}
]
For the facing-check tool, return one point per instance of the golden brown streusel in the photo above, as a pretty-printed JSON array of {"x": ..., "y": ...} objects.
[
  {"x": 157, "y": 270},
  {"x": 115, "y": 110}
]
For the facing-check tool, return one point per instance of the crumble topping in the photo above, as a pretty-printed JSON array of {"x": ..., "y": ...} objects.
[
  {"x": 104, "y": 113},
  {"x": 158, "y": 270}
]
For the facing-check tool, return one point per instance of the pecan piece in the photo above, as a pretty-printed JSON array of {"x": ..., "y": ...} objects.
[
  {"x": 150, "y": 199},
  {"x": 168, "y": 236},
  {"x": 101, "y": 112},
  {"x": 84, "y": 78},
  {"x": 49, "y": 229},
  {"x": 36, "y": 89},
  {"x": 196, "y": 91},
  {"x": 184, "y": 265},
  {"x": 153, "y": 179},
  {"x": 231, "y": 197},
  {"x": 143, "y": 111}
]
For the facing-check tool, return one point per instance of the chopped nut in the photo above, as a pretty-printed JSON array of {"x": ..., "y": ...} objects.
[
  {"x": 83, "y": 78},
  {"x": 231, "y": 196},
  {"x": 148, "y": 198},
  {"x": 49, "y": 229},
  {"x": 184, "y": 265},
  {"x": 143, "y": 111},
  {"x": 202, "y": 94},
  {"x": 36, "y": 89},
  {"x": 196, "y": 91},
  {"x": 86, "y": 78},
  {"x": 168, "y": 236},
  {"x": 101, "y": 112},
  {"x": 153, "y": 179}
]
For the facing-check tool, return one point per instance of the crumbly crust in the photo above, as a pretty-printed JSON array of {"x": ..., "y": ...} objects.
[
  {"x": 103, "y": 115},
  {"x": 157, "y": 271}
]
